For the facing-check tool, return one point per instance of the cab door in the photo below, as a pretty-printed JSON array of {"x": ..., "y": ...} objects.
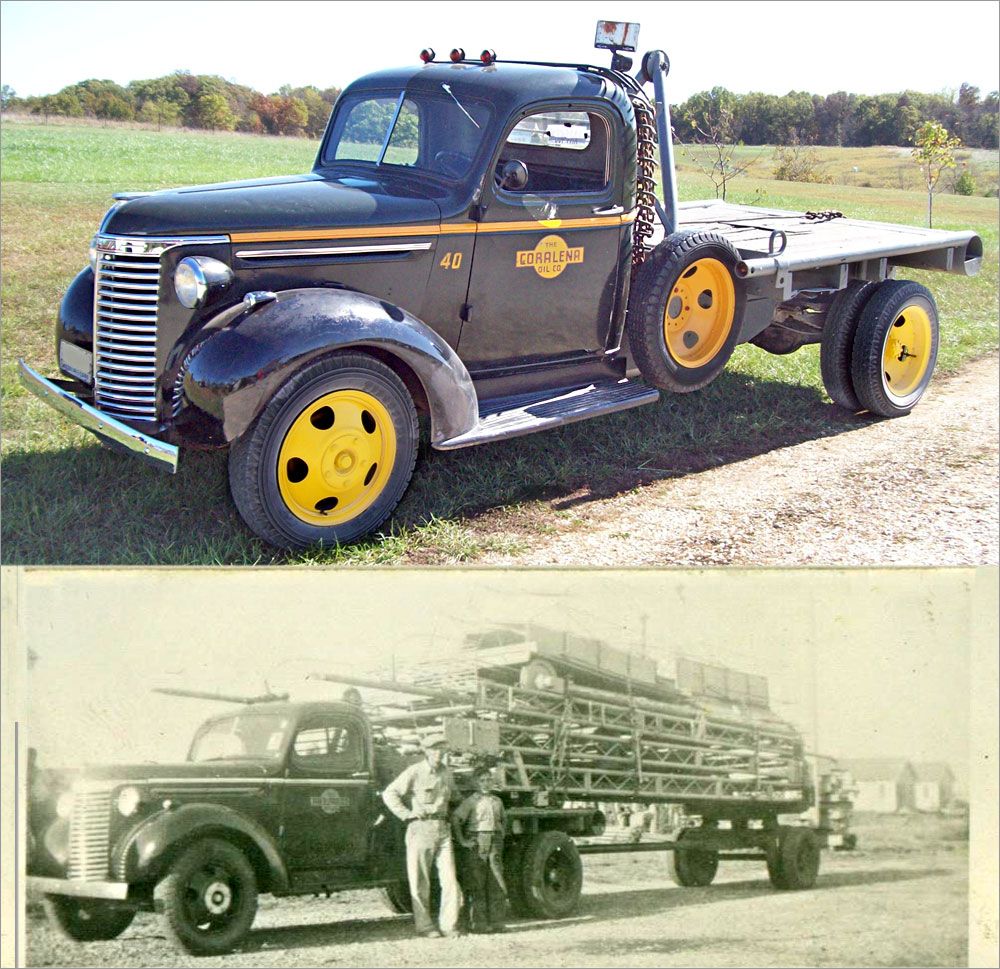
[
  {"x": 545, "y": 266},
  {"x": 329, "y": 797}
]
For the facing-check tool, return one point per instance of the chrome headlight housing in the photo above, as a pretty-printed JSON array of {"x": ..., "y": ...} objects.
[
  {"x": 64, "y": 806},
  {"x": 197, "y": 276},
  {"x": 128, "y": 801},
  {"x": 92, "y": 253}
]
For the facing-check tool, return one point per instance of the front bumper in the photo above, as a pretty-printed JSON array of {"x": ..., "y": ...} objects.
[
  {"x": 114, "y": 891},
  {"x": 112, "y": 431}
]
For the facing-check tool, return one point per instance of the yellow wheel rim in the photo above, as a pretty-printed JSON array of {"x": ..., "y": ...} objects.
[
  {"x": 907, "y": 351},
  {"x": 699, "y": 313},
  {"x": 336, "y": 458}
]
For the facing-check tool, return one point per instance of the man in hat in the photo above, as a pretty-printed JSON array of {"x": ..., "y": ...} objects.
[{"x": 420, "y": 797}]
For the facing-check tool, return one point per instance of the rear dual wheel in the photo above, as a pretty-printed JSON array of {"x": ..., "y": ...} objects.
[
  {"x": 693, "y": 867},
  {"x": 879, "y": 347},
  {"x": 793, "y": 861},
  {"x": 330, "y": 456}
]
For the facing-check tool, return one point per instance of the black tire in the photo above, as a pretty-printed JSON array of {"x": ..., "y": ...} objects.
[
  {"x": 87, "y": 919},
  {"x": 797, "y": 858},
  {"x": 682, "y": 326},
  {"x": 899, "y": 324},
  {"x": 209, "y": 897},
  {"x": 397, "y": 897},
  {"x": 693, "y": 867},
  {"x": 513, "y": 858},
  {"x": 551, "y": 875},
  {"x": 299, "y": 477},
  {"x": 839, "y": 330}
]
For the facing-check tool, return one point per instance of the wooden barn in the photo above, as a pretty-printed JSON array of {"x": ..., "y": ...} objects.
[{"x": 884, "y": 785}]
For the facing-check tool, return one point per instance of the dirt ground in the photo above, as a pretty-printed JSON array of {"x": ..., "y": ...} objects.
[
  {"x": 899, "y": 900},
  {"x": 919, "y": 491}
]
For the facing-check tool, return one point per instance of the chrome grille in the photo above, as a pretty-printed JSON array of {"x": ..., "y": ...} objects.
[
  {"x": 89, "y": 833},
  {"x": 125, "y": 311}
]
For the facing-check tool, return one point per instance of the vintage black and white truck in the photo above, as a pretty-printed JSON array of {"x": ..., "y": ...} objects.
[
  {"x": 284, "y": 798},
  {"x": 479, "y": 241}
]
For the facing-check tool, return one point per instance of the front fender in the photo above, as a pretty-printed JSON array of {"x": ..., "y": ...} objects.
[
  {"x": 232, "y": 374},
  {"x": 142, "y": 856}
]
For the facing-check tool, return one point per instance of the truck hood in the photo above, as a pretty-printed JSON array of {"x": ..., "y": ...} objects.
[
  {"x": 211, "y": 769},
  {"x": 289, "y": 202}
]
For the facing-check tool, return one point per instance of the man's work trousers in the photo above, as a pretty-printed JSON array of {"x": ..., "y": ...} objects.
[
  {"x": 483, "y": 881},
  {"x": 428, "y": 844}
]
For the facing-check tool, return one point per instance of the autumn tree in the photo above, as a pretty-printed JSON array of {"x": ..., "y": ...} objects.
[{"x": 934, "y": 150}]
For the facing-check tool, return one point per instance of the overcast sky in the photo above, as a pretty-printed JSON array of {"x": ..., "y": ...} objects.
[
  {"x": 874, "y": 662},
  {"x": 819, "y": 47}
]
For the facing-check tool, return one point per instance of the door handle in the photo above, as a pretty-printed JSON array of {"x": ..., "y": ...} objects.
[{"x": 612, "y": 210}]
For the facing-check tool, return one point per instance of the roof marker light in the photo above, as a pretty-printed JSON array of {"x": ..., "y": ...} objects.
[
  {"x": 458, "y": 55},
  {"x": 427, "y": 55},
  {"x": 488, "y": 56}
]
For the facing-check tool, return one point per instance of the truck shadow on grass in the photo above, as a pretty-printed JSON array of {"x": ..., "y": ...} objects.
[{"x": 87, "y": 505}]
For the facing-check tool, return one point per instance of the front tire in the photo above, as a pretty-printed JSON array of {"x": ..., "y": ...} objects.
[
  {"x": 86, "y": 919},
  {"x": 209, "y": 897},
  {"x": 686, "y": 311},
  {"x": 895, "y": 348},
  {"x": 329, "y": 457}
]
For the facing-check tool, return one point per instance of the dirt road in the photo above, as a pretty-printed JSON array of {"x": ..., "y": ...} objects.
[
  {"x": 920, "y": 490},
  {"x": 900, "y": 907}
]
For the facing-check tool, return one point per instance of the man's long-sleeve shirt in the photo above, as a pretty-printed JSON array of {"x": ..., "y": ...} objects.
[{"x": 420, "y": 791}]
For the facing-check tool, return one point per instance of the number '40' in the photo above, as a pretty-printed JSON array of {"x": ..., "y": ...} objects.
[{"x": 452, "y": 260}]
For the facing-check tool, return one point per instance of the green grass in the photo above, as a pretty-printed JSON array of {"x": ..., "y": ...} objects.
[{"x": 67, "y": 500}]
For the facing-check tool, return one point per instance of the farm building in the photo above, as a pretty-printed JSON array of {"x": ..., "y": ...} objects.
[
  {"x": 884, "y": 785},
  {"x": 934, "y": 787}
]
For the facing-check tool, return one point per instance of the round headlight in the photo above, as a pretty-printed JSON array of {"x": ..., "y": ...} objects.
[
  {"x": 128, "y": 801},
  {"x": 197, "y": 276},
  {"x": 190, "y": 283},
  {"x": 64, "y": 806}
]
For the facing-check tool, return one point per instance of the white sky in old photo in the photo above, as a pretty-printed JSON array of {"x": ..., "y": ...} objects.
[
  {"x": 872, "y": 662},
  {"x": 819, "y": 46}
]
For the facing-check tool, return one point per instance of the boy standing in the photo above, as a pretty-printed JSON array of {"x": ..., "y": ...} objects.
[{"x": 478, "y": 825}]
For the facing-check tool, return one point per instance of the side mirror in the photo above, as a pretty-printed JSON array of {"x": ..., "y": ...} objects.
[{"x": 514, "y": 176}]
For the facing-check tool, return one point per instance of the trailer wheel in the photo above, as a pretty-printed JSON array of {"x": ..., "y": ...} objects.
[
  {"x": 895, "y": 348},
  {"x": 795, "y": 862},
  {"x": 693, "y": 867},
  {"x": 87, "y": 919},
  {"x": 209, "y": 897},
  {"x": 552, "y": 875},
  {"x": 329, "y": 457},
  {"x": 685, "y": 311},
  {"x": 839, "y": 331}
]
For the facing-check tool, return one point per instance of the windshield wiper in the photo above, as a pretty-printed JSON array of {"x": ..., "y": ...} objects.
[{"x": 447, "y": 90}]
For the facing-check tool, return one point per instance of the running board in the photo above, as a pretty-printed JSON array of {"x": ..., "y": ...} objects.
[{"x": 506, "y": 417}]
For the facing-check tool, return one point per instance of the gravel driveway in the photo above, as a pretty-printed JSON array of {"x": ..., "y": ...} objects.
[{"x": 920, "y": 490}]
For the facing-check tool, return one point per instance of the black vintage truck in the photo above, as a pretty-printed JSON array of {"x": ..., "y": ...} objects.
[
  {"x": 479, "y": 241},
  {"x": 284, "y": 798}
]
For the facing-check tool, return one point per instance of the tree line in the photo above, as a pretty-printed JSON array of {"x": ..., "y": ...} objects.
[
  {"x": 191, "y": 100},
  {"x": 851, "y": 120},
  {"x": 842, "y": 119}
]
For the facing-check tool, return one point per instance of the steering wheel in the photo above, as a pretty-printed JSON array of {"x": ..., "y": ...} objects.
[{"x": 452, "y": 163}]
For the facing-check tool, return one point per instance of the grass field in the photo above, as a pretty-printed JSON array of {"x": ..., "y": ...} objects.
[{"x": 67, "y": 500}]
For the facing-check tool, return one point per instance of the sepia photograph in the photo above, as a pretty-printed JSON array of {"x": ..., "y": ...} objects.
[{"x": 494, "y": 768}]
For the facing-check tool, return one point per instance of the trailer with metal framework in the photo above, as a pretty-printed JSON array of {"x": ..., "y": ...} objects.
[{"x": 575, "y": 728}]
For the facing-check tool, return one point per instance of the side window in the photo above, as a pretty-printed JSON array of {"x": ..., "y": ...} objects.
[
  {"x": 329, "y": 747},
  {"x": 563, "y": 151}
]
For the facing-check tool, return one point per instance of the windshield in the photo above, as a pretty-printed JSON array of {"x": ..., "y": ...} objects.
[
  {"x": 253, "y": 736},
  {"x": 435, "y": 132}
]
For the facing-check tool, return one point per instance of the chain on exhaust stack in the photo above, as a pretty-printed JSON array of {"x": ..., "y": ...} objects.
[{"x": 645, "y": 186}]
